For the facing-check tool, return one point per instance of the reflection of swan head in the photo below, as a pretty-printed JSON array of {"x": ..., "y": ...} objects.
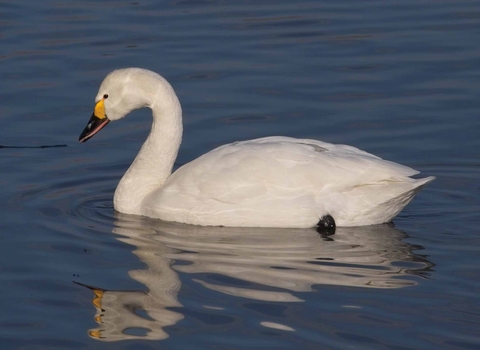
[
  {"x": 274, "y": 265},
  {"x": 123, "y": 315}
]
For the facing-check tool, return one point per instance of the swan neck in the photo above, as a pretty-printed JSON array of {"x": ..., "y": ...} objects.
[
  {"x": 161, "y": 147},
  {"x": 155, "y": 160}
]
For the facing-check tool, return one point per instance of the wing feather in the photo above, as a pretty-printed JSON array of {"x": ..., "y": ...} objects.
[{"x": 247, "y": 170}]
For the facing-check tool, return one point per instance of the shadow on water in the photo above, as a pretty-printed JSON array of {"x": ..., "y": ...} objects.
[
  {"x": 262, "y": 264},
  {"x": 43, "y": 146}
]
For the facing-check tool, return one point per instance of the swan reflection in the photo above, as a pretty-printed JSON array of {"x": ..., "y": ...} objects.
[{"x": 269, "y": 264}]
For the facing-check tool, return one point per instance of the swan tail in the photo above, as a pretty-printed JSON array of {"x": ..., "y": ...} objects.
[
  {"x": 391, "y": 207},
  {"x": 419, "y": 183},
  {"x": 386, "y": 200},
  {"x": 407, "y": 196}
]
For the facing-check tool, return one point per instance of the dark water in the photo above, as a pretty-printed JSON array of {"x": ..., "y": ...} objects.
[{"x": 398, "y": 79}]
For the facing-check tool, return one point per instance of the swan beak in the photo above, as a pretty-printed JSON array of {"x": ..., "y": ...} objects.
[
  {"x": 95, "y": 124},
  {"x": 97, "y": 121}
]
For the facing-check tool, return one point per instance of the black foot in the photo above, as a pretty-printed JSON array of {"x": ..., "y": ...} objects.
[
  {"x": 326, "y": 226},
  {"x": 326, "y": 221}
]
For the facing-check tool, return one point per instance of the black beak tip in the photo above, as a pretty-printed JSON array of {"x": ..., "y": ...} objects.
[
  {"x": 83, "y": 138},
  {"x": 94, "y": 125}
]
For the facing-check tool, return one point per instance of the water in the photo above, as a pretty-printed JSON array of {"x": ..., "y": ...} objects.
[{"x": 398, "y": 79}]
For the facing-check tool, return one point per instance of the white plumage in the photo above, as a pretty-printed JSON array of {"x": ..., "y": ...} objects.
[{"x": 267, "y": 182}]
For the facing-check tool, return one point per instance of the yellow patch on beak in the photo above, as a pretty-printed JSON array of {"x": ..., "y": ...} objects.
[{"x": 99, "y": 110}]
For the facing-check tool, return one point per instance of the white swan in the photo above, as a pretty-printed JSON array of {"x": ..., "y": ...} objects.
[{"x": 267, "y": 182}]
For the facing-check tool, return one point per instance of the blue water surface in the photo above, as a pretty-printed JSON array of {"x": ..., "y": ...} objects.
[{"x": 400, "y": 79}]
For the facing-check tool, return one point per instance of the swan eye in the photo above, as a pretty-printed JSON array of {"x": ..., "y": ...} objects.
[{"x": 105, "y": 96}]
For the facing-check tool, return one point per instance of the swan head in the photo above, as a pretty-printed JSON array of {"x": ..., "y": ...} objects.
[{"x": 122, "y": 91}]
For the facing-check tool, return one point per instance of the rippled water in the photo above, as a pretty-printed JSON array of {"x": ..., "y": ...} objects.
[{"x": 398, "y": 79}]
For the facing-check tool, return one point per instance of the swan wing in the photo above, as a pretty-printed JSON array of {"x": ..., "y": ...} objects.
[
  {"x": 243, "y": 170},
  {"x": 276, "y": 179}
]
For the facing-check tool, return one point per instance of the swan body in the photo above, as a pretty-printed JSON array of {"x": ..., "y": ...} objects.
[{"x": 267, "y": 182}]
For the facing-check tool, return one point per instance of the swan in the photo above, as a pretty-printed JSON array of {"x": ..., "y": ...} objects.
[{"x": 267, "y": 182}]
